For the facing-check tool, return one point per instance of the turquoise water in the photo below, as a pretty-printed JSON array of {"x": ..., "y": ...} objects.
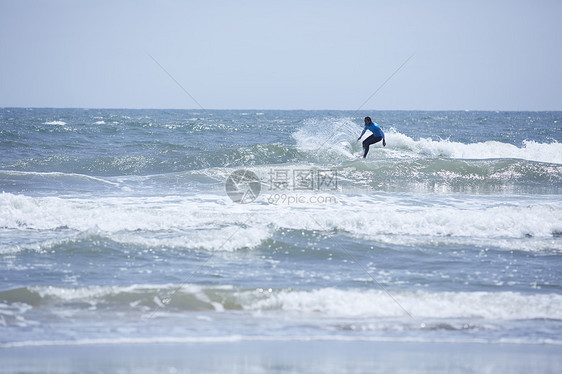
[{"x": 115, "y": 227}]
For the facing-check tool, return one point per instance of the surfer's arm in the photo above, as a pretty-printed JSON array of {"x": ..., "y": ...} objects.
[
  {"x": 383, "y": 139},
  {"x": 364, "y": 129}
]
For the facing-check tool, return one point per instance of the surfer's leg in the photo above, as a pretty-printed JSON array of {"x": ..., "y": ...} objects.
[
  {"x": 365, "y": 149},
  {"x": 367, "y": 142}
]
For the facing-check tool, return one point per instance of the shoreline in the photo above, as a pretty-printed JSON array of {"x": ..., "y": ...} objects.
[{"x": 284, "y": 357}]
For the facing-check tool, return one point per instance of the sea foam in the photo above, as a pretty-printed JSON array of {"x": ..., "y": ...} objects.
[{"x": 212, "y": 222}]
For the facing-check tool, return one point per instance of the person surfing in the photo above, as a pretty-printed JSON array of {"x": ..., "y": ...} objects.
[{"x": 376, "y": 137}]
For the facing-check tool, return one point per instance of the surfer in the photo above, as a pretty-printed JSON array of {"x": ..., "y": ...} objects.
[{"x": 376, "y": 137}]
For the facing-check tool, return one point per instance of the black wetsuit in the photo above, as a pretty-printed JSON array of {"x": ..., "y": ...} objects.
[
  {"x": 370, "y": 140},
  {"x": 377, "y": 136}
]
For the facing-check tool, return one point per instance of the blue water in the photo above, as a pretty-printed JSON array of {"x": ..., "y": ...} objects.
[{"x": 116, "y": 227}]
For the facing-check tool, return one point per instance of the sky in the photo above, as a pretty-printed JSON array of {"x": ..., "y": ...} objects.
[{"x": 465, "y": 55}]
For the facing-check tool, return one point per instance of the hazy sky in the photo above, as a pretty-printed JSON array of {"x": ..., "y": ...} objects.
[{"x": 475, "y": 55}]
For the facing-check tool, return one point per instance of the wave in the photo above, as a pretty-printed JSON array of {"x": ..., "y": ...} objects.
[
  {"x": 357, "y": 176},
  {"x": 427, "y": 165},
  {"x": 326, "y": 302},
  {"x": 337, "y": 135},
  {"x": 453, "y": 176},
  {"x": 398, "y": 174},
  {"x": 426, "y": 147},
  {"x": 167, "y": 158},
  {"x": 327, "y": 138},
  {"x": 46, "y": 180},
  {"x": 320, "y": 142},
  {"x": 371, "y": 303},
  {"x": 206, "y": 221}
]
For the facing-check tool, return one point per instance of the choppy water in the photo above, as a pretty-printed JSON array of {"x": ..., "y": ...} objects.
[{"x": 115, "y": 227}]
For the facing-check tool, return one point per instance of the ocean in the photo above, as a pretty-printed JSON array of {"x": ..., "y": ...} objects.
[{"x": 220, "y": 228}]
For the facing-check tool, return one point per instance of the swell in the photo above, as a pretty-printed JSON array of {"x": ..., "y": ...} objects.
[
  {"x": 452, "y": 175},
  {"x": 391, "y": 175}
]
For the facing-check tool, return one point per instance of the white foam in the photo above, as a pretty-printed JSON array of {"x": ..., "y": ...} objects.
[
  {"x": 334, "y": 302},
  {"x": 328, "y": 134},
  {"x": 374, "y": 303},
  {"x": 226, "y": 239},
  {"x": 213, "y": 222},
  {"x": 99, "y": 292},
  {"x": 400, "y": 145},
  {"x": 58, "y": 123}
]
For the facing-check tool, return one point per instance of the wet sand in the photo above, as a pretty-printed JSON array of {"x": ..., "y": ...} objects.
[{"x": 285, "y": 357}]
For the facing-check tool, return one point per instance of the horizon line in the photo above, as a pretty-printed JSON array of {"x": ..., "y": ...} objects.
[{"x": 294, "y": 109}]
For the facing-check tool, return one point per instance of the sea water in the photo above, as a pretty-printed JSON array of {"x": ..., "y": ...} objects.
[{"x": 116, "y": 227}]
